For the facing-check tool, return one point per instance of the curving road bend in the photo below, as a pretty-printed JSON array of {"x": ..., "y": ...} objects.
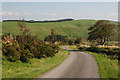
[{"x": 77, "y": 65}]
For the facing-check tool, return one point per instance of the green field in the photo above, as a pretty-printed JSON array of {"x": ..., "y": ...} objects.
[
  {"x": 76, "y": 28},
  {"x": 33, "y": 69}
]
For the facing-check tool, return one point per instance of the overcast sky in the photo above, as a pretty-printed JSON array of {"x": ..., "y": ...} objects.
[{"x": 60, "y": 10}]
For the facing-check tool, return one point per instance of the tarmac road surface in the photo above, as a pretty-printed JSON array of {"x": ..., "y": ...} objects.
[{"x": 77, "y": 65}]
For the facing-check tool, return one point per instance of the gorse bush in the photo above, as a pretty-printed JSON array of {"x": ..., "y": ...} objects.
[
  {"x": 26, "y": 55},
  {"x": 36, "y": 53},
  {"x": 55, "y": 47},
  {"x": 28, "y": 48},
  {"x": 11, "y": 53},
  {"x": 25, "y": 51},
  {"x": 47, "y": 51}
]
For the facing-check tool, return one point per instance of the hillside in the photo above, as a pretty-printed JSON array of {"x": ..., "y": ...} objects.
[
  {"x": 76, "y": 28},
  {"x": 73, "y": 29}
]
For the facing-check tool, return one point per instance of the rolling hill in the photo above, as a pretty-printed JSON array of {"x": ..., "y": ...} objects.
[{"x": 72, "y": 29}]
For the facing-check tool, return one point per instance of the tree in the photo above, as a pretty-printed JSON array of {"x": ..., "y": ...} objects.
[
  {"x": 53, "y": 36},
  {"x": 101, "y": 32},
  {"x": 71, "y": 41},
  {"x": 22, "y": 27},
  {"x": 24, "y": 30},
  {"x": 65, "y": 40},
  {"x": 78, "y": 40}
]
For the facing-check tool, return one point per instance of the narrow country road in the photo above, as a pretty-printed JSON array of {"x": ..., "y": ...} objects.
[{"x": 77, "y": 65}]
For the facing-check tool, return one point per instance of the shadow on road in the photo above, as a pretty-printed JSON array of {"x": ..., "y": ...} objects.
[
  {"x": 74, "y": 50},
  {"x": 68, "y": 79}
]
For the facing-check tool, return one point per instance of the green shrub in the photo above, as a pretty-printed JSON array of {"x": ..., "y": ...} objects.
[
  {"x": 48, "y": 50},
  {"x": 45, "y": 51},
  {"x": 26, "y": 55},
  {"x": 104, "y": 50},
  {"x": 55, "y": 47},
  {"x": 82, "y": 48},
  {"x": 36, "y": 53},
  {"x": 36, "y": 50},
  {"x": 11, "y": 53},
  {"x": 17, "y": 47},
  {"x": 94, "y": 49},
  {"x": 3, "y": 48},
  {"x": 27, "y": 47},
  {"x": 71, "y": 41}
]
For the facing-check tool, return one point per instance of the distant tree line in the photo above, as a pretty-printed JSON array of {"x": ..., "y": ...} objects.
[
  {"x": 32, "y": 21},
  {"x": 58, "y": 38},
  {"x": 55, "y": 37},
  {"x": 62, "y": 39}
]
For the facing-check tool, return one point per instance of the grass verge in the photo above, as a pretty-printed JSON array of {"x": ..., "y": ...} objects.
[
  {"x": 33, "y": 69},
  {"x": 107, "y": 68}
]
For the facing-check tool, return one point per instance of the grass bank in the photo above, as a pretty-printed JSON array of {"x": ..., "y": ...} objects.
[
  {"x": 33, "y": 69},
  {"x": 107, "y": 68}
]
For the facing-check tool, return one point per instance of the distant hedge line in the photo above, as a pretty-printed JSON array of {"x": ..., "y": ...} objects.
[
  {"x": 114, "y": 53},
  {"x": 32, "y": 21}
]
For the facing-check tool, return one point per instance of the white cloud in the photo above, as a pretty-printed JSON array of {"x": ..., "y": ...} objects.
[
  {"x": 48, "y": 14},
  {"x": 9, "y": 13},
  {"x": 52, "y": 14},
  {"x": 13, "y": 15},
  {"x": 113, "y": 14},
  {"x": 16, "y": 13},
  {"x": 26, "y": 13},
  {"x": 70, "y": 14}
]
